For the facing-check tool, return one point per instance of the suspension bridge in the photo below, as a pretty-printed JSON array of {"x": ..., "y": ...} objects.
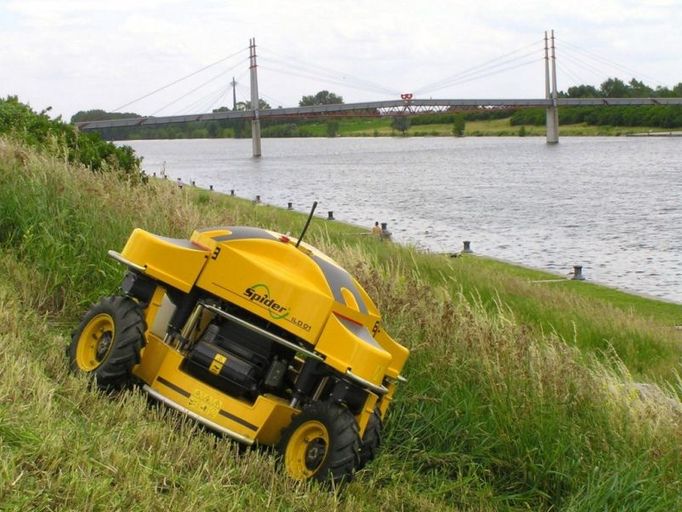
[{"x": 408, "y": 104}]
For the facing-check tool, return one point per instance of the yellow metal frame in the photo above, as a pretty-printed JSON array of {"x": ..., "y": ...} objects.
[
  {"x": 297, "y": 288},
  {"x": 259, "y": 422}
]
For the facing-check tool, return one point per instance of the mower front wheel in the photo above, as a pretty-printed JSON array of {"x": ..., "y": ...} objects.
[
  {"x": 321, "y": 443},
  {"x": 107, "y": 342}
]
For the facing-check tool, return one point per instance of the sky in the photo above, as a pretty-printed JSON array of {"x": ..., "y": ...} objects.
[{"x": 74, "y": 55}]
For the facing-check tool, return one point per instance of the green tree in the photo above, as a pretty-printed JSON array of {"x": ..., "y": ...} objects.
[
  {"x": 401, "y": 123},
  {"x": 458, "y": 125},
  {"x": 332, "y": 128},
  {"x": 614, "y": 88},
  {"x": 321, "y": 98},
  {"x": 583, "y": 91},
  {"x": 100, "y": 115},
  {"x": 639, "y": 89},
  {"x": 246, "y": 105}
]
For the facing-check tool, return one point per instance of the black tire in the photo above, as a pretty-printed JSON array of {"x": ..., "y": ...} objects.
[
  {"x": 371, "y": 440},
  {"x": 107, "y": 342},
  {"x": 321, "y": 443}
]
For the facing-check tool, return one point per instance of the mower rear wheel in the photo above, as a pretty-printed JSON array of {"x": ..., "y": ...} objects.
[
  {"x": 372, "y": 439},
  {"x": 107, "y": 342},
  {"x": 321, "y": 443}
]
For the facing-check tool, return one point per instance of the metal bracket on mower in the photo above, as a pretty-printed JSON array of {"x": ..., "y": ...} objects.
[{"x": 117, "y": 256}]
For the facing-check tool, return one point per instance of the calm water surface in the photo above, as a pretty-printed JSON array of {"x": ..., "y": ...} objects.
[{"x": 613, "y": 205}]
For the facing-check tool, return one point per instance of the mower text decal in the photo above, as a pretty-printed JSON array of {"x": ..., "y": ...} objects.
[{"x": 260, "y": 294}]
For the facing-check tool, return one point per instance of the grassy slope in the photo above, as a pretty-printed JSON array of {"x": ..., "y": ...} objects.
[{"x": 512, "y": 402}]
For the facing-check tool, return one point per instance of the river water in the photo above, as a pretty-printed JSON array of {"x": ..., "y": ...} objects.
[{"x": 610, "y": 204}]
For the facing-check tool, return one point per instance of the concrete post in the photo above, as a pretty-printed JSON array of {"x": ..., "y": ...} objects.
[
  {"x": 555, "y": 90},
  {"x": 467, "y": 247},
  {"x": 552, "y": 114},
  {"x": 255, "y": 122},
  {"x": 578, "y": 273}
]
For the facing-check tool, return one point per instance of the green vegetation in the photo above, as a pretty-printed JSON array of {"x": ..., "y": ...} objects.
[
  {"x": 522, "y": 393},
  {"x": 37, "y": 130},
  {"x": 616, "y": 88},
  {"x": 401, "y": 124},
  {"x": 321, "y": 98},
  {"x": 659, "y": 116},
  {"x": 458, "y": 125}
]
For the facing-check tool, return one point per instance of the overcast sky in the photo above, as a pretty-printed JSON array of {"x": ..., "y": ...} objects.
[{"x": 83, "y": 54}]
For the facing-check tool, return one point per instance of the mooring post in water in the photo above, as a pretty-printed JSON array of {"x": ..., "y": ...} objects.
[
  {"x": 257, "y": 200},
  {"x": 467, "y": 247},
  {"x": 330, "y": 215},
  {"x": 552, "y": 114},
  {"x": 385, "y": 233},
  {"x": 210, "y": 187},
  {"x": 578, "y": 273},
  {"x": 255, "y": 122},
  {"x": 290, "y": 205},
  {"x": 232, "y": 192}
]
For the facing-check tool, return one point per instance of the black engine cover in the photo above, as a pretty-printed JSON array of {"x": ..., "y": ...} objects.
[{"x": 222, "y": 369}]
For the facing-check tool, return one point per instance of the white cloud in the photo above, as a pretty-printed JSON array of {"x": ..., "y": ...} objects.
[{"x": 79, "y": 54}]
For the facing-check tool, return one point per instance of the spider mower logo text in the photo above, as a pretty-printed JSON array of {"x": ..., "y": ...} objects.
[{"x": 260, "y": 294}]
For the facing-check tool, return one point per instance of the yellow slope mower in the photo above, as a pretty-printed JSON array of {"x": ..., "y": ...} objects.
[{"x": 259, "y": 337}]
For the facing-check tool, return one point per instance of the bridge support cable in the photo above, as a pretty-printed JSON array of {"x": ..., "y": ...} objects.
[
  {"x": 490, "y": 73},
  {"x": 255, "y": 100},
  {"x": 595, "y": 70},
  {"x": 177, "y": 81},
  {"x": 492, "y": 66},
  {"x": 323, "y": 73},
  {"x": 334, "y": 81},
  {"x": 570, "y": 73},
  {"x": 201, "y": 85},
  {"x": 601, "y": 61},
  {"x": 206, "y": 102}
]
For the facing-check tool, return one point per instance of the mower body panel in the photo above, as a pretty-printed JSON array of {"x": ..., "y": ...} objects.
[{"x": 242, "y": 325}]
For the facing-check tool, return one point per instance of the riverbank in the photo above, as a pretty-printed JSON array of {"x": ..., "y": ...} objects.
[
  {"x": 522, "y": 394},
  {"x": 489, "y": 128}
]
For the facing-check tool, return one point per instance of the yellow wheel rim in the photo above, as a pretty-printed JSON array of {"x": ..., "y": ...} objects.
[
  {"x": 95, "y": 342},
  {"x": 307, "y": 450}
]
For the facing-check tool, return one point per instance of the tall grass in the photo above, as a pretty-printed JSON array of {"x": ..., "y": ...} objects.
[{"x": 501, "y": 412}]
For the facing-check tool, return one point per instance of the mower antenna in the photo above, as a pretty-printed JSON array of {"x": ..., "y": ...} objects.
[{"x": 307, "y": 223}]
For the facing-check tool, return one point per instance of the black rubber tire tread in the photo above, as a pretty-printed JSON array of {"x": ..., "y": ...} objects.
[
  {"x": 343, "y": 455},
  {"x": 115, "y": 371},
  {"x": 371, "y": 440}
]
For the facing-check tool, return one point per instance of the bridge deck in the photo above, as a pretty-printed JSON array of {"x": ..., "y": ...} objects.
[{"x": 375, "y": 108}]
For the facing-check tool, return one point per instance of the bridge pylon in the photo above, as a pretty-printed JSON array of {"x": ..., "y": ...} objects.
[
  {"x": 552, "y": 115},
  {"x": 255, "y": 101}
]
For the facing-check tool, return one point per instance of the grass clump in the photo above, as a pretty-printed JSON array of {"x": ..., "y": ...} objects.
[{"x": 509, "y": 406}]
